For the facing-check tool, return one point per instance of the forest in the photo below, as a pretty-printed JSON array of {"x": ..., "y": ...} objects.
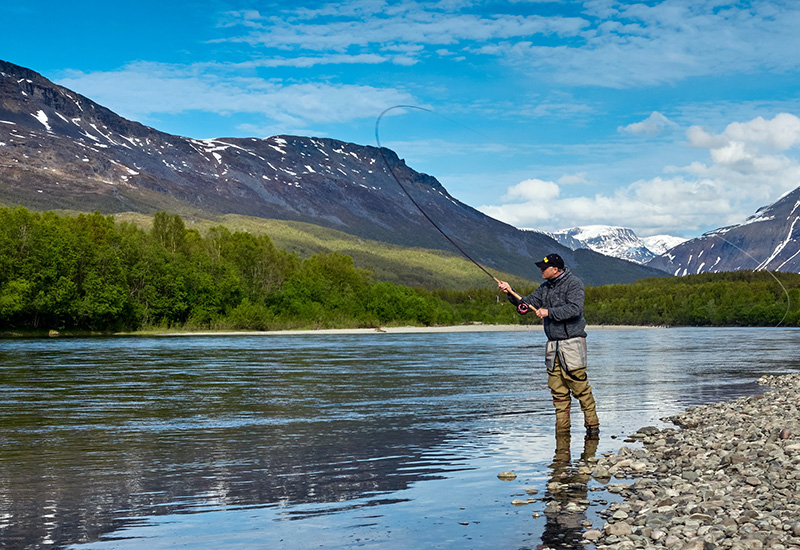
[{"x": 90, "y": 273}]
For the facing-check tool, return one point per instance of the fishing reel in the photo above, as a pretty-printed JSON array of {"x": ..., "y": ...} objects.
[{"x": 523, "y": 308}]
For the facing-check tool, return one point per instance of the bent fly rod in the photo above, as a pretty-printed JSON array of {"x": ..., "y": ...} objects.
[{"x": 523, "y": 307}]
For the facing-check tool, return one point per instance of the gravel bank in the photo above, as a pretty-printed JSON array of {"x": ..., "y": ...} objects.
[{"x": 727, "y": 477}]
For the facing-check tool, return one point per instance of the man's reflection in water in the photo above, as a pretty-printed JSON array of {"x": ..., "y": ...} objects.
[{"x": 567, "y": 495}]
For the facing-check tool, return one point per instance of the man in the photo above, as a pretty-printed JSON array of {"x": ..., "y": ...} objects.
[{"x": 559, "y": 303}]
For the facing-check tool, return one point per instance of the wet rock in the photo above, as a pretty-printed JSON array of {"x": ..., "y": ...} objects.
[
  {"x": 592, "y": 534},
  {"x": 506, "y": 476},
  {"x": 617, "y": 529}
]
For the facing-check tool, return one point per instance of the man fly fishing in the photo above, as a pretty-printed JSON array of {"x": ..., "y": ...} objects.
[{"x": 559, "y": 303}]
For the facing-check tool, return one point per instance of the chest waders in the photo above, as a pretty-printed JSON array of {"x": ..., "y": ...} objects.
[{"x": 566, "y": 377}]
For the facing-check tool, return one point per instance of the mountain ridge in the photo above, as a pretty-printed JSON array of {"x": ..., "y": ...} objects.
[
  {"x": 61, "y": 150},
  {"x": 615, "y": 241},
  {"x": 767, "y": 240}
]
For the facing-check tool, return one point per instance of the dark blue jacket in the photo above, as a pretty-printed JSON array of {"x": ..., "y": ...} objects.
[{"x": 563, "y": 297}]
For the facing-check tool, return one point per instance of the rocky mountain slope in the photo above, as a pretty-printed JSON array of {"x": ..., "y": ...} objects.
[
  {"x": 59, "y": 149},
  {"x": 770, "y": 239}
]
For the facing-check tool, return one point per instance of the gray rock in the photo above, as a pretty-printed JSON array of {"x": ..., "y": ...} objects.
[
  {"x": 619, "y": 528},
  {"x": 728, "y": 479}
]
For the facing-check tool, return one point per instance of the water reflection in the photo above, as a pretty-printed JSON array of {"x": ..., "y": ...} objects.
[
  {"x": 567, "y": 494},
  {"x": 400, "y": 435},
  {"x": 96, "y": 434}
]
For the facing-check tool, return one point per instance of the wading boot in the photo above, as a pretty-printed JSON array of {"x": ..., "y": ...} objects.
[{"x": 563, "y": 421}]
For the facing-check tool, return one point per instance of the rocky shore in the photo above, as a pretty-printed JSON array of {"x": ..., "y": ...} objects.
[{"x": 727, "y": 477}]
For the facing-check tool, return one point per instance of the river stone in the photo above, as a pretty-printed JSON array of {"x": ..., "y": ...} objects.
[
  {"x": 506, "y": 476},
  {"x": 592, "y": 534},
  {"x": 725, "y": 477},
  {"x": 690, "y": 476},
  {"x": 619, "y": 528}
]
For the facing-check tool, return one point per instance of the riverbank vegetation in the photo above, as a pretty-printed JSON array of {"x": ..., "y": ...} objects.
[{"x": 92, "y": 273}]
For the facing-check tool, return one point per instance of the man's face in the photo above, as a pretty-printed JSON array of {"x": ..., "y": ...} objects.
[{"x": 549, "y": 272}]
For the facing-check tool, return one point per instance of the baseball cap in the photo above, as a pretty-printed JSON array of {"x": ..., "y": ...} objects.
[{"x": 551, "y": 260}]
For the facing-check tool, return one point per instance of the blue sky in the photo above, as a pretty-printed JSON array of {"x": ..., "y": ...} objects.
[{"x": 668, "y": 117}]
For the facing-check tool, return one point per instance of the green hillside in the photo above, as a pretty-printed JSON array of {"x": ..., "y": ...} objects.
[{"x": 414, "y": 267}]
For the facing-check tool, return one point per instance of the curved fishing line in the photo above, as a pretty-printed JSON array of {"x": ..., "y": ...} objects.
[
  {"x": 422, "y": 211},
  {"x": 788, "y": 298}
]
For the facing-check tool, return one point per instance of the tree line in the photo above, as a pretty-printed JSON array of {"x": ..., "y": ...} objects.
[
  {"x": 736, "y": 298},
  {"x": 92, "y": 273},
  {"x": 89, "y": 272}
]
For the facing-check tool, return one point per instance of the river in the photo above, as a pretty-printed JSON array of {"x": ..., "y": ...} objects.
[{"x": 384, "y": 440}]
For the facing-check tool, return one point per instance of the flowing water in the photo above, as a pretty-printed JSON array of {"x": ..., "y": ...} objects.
[{"x": 390, "y": 441}]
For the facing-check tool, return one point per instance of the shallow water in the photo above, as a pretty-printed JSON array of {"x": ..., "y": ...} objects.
[{"x": 330, "y": 441}]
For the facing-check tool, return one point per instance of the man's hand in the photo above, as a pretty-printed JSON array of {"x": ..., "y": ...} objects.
[
  {"x": 504, "y": 286},
  {"x": 541, "y": 313}
]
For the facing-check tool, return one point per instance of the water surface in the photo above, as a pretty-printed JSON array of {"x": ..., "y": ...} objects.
[{"x": 330, "y": 441}]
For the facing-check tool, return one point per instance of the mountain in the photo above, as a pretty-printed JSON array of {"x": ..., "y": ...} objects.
[
  {"x": 659, "y": 244},
  {"x": 618, "y": 242},
  {"x": 770, "y": 239},
  {"x": 60, "y": 150}
]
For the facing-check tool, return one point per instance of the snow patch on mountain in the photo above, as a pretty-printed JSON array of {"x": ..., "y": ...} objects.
[
  {"x": 659, "y": 244},
  {"x": 618, "y": 242}
]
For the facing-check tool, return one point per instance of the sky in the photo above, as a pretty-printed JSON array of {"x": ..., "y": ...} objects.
[{"x": 667, "y": 117}]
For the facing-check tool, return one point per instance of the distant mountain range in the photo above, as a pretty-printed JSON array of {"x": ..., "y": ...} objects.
[
  {"x": 768, "y": 240},
  {"x": 619, "y": 242},
  {"x": 60, "y": 150}
]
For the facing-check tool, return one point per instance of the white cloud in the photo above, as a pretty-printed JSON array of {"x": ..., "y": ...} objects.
[
  {"x": 609, "y": 44},
  {"x": 573, "y": 179},
  {"x": 533, "y": 189},
  {"x": 365, "y": 24},
  {"x": 779, "y": 134},
  {"x": 757, "y": 158},
  {"x": 140, "y": 90},
  {"x": 653, "y": 125},
  {"x": 634, "y": 45},
  {"x": 749, "y": 165},
  {"x": 306, "y": 62}
]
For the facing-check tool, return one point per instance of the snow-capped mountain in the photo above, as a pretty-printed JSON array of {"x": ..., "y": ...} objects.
[
  {"x": 770, "y": 239},
  {"x": 659, "y": 244},
  {"x": 618, "y": 242}
]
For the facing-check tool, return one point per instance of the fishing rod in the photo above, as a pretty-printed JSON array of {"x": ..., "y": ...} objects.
[{"x": 523, "y": 307}]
